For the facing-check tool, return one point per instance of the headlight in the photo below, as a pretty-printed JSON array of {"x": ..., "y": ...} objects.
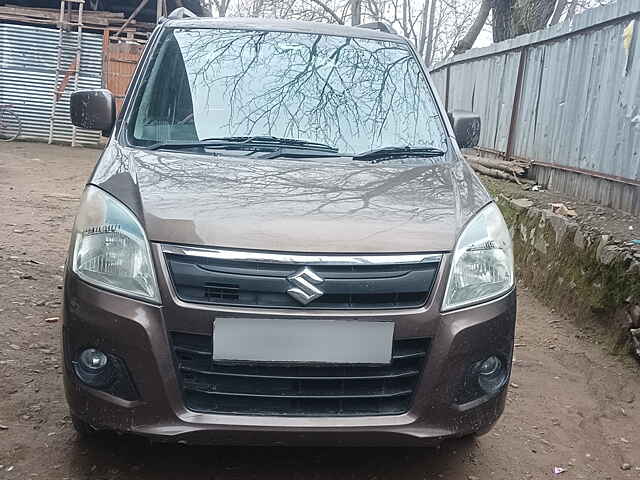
[
  {"x": 482, "y": 266},
  {"x": 110, "y": 248}
]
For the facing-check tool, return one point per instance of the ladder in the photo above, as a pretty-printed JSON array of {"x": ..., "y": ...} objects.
[{"x": 72, "y": 49}]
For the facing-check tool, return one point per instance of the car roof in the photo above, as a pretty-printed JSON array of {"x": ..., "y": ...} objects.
[{"x": 297, "y": 26}]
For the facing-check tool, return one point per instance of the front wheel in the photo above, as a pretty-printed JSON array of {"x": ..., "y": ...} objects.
[{"x": 10, "y": 125}]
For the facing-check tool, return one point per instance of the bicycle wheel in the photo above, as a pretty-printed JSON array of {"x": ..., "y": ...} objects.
[{"x": 10, "y": 125}]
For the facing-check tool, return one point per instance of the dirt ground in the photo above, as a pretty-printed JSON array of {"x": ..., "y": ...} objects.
[{"x": 571, "y": 405}]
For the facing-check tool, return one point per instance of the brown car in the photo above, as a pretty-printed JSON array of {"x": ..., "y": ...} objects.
[{"x": 282, "y": 244}]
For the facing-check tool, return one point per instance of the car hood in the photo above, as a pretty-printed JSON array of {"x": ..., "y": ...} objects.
[{"x": 296, "y": 205}]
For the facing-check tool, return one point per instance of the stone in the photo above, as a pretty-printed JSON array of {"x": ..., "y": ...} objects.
[
  {"x": 521, "y": 203},
  {"x": 634, "y": 316},
  {"x": 560, "y": 226},
  {"x": 562, "y": 209},
  {"x": 523, "y": 233},
  {"x": 579, "y": 240},
  {"x": 608, "y": 254},
  {"x": 533, "y": 212},
  {"x": 540, "y": 243},
  {"x": 604, "y": 239},
  {"x": 634, "y": 268}
]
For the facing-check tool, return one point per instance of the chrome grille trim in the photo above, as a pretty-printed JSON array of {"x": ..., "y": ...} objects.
[{"x": 303, "y": 259}]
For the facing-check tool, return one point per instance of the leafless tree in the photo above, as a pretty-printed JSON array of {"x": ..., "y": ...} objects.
[
  {"x": 428, "y": 52},
  {"x": 433, "y": 26},
  {"x": 356, "y": 12},
  {"x": 526, "y": 16},
  {"x": 511, "y": 18},
  {"x": 222, "y": 6},
  {"x": 557, "y": 13},
  {"x": 329, "y": 11},
  {"x": 438, "y": 28},
  {"x": 423, "y": 26},
  {"x": 478, "y": 24}
]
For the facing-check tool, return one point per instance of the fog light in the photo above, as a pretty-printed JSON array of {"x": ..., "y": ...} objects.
[
  {"x": 93, "y": 360},
  {"x": 491, "y": 375},
  {"x": 93, "y": 368}
]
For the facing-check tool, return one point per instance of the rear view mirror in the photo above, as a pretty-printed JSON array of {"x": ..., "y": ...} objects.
[
  {"x": 466, "y": 127},
  {"x": 93, "y": 110}
]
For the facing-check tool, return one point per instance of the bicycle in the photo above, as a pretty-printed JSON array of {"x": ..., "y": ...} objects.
[{"x": 10, "y": 124}]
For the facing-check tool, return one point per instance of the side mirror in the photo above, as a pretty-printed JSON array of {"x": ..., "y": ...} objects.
[
  {"x": 94, "y": 110},
  {"x": 466, "y": 127}
]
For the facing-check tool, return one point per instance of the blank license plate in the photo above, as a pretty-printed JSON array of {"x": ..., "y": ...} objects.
[{"x": 302, "y": 341}]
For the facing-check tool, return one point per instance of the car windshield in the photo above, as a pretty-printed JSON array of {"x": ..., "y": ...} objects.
[{"x": 353, "y": 94}]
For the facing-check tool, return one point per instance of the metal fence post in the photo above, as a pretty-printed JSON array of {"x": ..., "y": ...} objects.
[{"x": 516, "y": 103}]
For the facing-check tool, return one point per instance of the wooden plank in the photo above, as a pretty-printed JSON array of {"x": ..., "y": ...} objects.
[
  {"x": 48, "y": 21},
  {"x": 92, "y": 22},
  {"x": 50, "y": 16},
  {"x": 122, "y": 59},
  {"x": 45, "y": 12},
  {"x": 132, "y": 16},
  {"x": 67, "y": 76}
]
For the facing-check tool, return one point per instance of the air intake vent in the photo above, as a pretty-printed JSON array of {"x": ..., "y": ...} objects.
[
  {"x": 258, "y": 388},
  {"x": 221, "y": 291}
]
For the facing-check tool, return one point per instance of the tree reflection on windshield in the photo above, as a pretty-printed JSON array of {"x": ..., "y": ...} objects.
[{"x": 355, "y": 94}]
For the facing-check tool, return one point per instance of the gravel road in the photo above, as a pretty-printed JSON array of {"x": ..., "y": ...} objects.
[{"x": 572, "y": 405}]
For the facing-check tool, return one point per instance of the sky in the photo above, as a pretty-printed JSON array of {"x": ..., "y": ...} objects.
[{"x": 484, "y": 39}]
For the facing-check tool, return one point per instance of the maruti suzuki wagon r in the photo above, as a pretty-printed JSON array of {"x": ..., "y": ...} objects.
[{"x": 283, "y": 244}]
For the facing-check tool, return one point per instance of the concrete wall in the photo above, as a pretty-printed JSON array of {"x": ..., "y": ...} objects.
[{"x": 586, "y": 275}]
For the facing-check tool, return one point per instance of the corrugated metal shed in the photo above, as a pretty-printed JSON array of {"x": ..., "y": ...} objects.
[
  {"x": 27, "y": 74},
  {"x": 578, "y": 116}
]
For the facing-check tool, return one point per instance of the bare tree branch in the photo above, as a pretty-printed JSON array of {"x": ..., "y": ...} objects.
[
  {"x": 329, "y": 11},
  {"x": 429, "y": 47},
  {"x": 423, "y": 27},
  {"x": 557, "y": 14},
  {"x": 470, "y": 38},
  {"x": 356, "y": 12}
]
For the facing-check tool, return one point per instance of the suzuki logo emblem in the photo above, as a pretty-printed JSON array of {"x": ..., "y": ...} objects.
[{"x": 303, "y": 285}]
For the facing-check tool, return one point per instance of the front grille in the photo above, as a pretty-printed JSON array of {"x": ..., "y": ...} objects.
[
  {"x": 249, "y": 283},
  {"x": 217, "y": 291},
  {"x": 209, "y": 386}
]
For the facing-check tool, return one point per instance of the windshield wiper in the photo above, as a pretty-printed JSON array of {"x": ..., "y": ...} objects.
[
  {"x": 255, "y": 143},
  {"x": 276, "y": 141},
  {"x": 202, "y": 145},
  {"x": 386, "y": 153}
]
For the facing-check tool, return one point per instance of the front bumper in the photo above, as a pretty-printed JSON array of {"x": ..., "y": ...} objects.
[{"x": 136, "y": 332}]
